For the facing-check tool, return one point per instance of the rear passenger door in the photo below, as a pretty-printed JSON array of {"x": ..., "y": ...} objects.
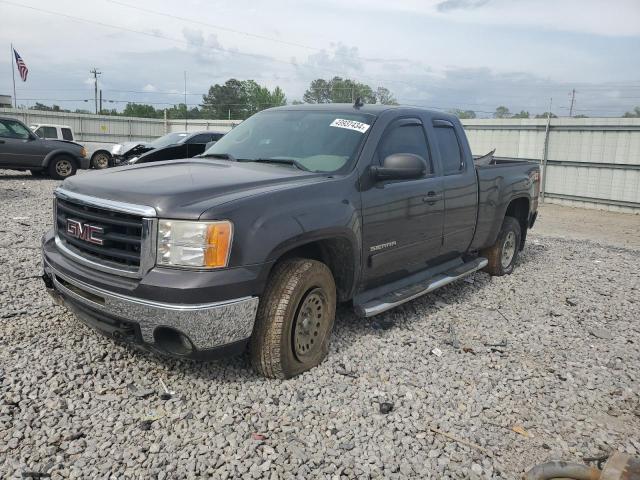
[
  {"x": 402, "y": 219},
  {"x": 460, "y": 188}
]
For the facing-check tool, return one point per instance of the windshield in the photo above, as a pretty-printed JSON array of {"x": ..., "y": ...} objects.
[
  {"x": 169, "y": 139},
  {"x": 319, "y": 141}
]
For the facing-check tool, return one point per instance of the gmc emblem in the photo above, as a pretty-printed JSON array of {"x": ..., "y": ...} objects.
[{"x": 84, "y": 231}]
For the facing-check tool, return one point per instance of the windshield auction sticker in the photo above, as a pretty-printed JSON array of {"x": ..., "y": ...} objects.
[{"x": 350, "y": 125}]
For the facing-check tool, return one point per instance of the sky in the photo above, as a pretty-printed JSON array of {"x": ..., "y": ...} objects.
[{"x": 444, "y": 54}]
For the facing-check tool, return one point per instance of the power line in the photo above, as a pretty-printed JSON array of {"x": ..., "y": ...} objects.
[{"x": 244, "y": 33}]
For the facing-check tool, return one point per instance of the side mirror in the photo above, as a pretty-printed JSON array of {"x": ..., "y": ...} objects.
[{"x": 400, "y": 166}]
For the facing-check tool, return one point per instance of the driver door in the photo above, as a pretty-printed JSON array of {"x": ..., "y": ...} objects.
[
  {"x": 402, "y": 219},
  {"x": 19, "y": 148}
]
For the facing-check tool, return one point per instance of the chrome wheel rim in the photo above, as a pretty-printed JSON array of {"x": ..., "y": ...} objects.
[
  {"x": 101, "y": 161},
  {"x": 310, "y": 324},
  {"x": 63, "y": 168},
  {"x": 508, "y": 249}
]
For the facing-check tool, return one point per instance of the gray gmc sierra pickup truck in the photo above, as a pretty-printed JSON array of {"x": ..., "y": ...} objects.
[{"x": 296, "y": 209}]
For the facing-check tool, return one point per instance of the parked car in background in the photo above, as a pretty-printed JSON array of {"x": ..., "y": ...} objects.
[
  {"x": 99, "y": 153},
  {"x": 168, "y": 147},
  {"x": 21, "y": 149}
]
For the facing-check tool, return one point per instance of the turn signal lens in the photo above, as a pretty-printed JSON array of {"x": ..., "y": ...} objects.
[
  {"x": 194, "y": 244},
  {"x": 218, "y": 245},
  {"x": 83, "y": 152}
]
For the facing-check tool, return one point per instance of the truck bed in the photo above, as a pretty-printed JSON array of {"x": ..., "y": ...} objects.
[{"x": 499, "y": 182}]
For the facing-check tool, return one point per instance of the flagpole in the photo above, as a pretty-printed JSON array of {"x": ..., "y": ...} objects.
[{"x": 13, "y": 73}]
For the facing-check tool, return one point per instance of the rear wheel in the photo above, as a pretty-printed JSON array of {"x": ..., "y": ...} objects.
[
  {"x": 295, "y": 319},
  {"x": 61, "y": 167},
  {"x": 502, "y": 255},
  {"x": 100, "y": 161}
]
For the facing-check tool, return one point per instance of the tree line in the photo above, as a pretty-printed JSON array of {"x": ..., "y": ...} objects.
[{"x": 239, "y": 99}]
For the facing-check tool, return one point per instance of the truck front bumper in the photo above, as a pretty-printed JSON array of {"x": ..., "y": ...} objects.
[
  {"x": 191, "y": 330},
  {"x": 85, "y": 162}
]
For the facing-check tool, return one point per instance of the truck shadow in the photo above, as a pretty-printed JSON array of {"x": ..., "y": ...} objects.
[{"x": 349, "y": 328}]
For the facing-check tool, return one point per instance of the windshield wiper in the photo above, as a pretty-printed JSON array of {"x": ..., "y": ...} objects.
[
  {"x": 224, "y": 156},
  {"x": 284, "y": 161}
]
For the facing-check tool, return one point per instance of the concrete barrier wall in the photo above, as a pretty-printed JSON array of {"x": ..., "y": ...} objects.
[
  {"x": 105, "y": 128},
  {"x": 591, "y": 162}
]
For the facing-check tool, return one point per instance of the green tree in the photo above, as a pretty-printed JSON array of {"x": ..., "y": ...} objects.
[
  {"x": 546, "y": 115},
  {"x": 345, "y": 90},
  {"x": 463, "y": 113},
  {"x": 238, "y": 99},
  {"x": 635, "y": 113},
  {"x": 47, "y": 108},
  {"x": 385, "y": 97},
  {"x": 140, "y": 110},
  {"x": 225, "y": 101},
  {"x": 318, "y": 92},
  {"x": 522, "y": 114},
  {"x": 278, "y": 98},
  {"x": 501, "y": 112}
]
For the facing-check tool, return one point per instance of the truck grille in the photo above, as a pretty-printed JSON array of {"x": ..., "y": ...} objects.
[{"x": 121, "y": 234}]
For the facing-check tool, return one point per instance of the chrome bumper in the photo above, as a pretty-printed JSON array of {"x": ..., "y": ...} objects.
[{"x": 207, "y": 325}]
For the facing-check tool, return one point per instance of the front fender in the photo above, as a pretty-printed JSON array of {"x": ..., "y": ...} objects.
[
  {"x": 267, "y": 226},
  {"x": 53, "y": 153}
]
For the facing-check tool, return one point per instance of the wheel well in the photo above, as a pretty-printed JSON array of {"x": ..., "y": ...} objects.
[
  {"x": 519, "y": 209},
  {"x": 335, "y": 253},
  {"x": 62, "y": 154},
  {"x": 100, "y": 151}
]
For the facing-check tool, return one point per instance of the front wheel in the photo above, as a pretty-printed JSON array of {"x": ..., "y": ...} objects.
[
  {"x": 100, "y": 161},
  {"x": 503, "y": 254},
  {"x": 295, "y": 319},
  {"x": 61, "y": 168}
]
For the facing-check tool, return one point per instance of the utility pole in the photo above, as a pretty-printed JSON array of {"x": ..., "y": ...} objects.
[
  {"x": 545, "y": 153},
  {"x": 100, "y": 110},
  {"x": 573, "y": 99},
  {"x": 186, "y": 108},
  {"x": 95, "y": 73}
]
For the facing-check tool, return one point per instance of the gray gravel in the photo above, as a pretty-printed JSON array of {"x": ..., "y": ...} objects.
[{"x": 76, "y": 405}]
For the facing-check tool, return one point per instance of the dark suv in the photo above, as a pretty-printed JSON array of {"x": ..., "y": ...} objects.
[{"x": 21, "y": 149}]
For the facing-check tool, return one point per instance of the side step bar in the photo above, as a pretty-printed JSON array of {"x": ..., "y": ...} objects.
[{"x": 405, "y": 294}]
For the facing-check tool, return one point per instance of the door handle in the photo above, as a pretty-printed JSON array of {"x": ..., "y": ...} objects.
[{"x": 432, "y": 197}]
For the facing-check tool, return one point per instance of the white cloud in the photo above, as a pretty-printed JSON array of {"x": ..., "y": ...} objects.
[{"x": 149, "y": 88}]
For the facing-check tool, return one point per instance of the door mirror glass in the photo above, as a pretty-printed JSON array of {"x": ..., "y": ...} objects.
[{"x": 400, "y": 166}]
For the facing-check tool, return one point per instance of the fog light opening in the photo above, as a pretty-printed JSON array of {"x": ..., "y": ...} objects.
[{"x": 172, "y": 341}]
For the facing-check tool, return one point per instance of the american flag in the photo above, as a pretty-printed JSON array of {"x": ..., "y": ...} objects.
[{"x": 22, "y": 67}]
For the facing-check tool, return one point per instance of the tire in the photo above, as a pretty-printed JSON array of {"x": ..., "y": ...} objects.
[
  {"x": 37, "y": 173},
  {"x": 100, "y": 161},
  {"x": 503, "y": 254},
  {"x": 62, "y": 167},
  {"x": 294, "y": 320}
]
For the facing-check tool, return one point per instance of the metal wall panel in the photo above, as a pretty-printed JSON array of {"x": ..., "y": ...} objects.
[
  {"x": 104, "y": 128},
  {"x": 591, "y": 162}
]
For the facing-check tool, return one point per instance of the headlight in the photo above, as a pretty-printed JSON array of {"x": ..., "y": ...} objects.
[
  {"x": 116, "y": 149},
  {"x": 194, "y": 244},
  {"x": 133, "y": 160},
  {"x": 83, "y": 152}
]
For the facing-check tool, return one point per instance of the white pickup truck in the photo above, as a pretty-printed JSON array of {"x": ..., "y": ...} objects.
[{"x": 98, "y": 152}]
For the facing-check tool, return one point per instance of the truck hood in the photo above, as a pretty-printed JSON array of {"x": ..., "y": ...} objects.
[
  {"x": 184, "y": 189},
  {"x": 55, "y": 143}
]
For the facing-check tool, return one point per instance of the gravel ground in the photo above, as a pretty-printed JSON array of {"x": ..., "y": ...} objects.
[{"x": 562, "y": 384}]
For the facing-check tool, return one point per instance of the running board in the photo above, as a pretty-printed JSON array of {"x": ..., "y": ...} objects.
[{"x": 408, "y": 293}]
